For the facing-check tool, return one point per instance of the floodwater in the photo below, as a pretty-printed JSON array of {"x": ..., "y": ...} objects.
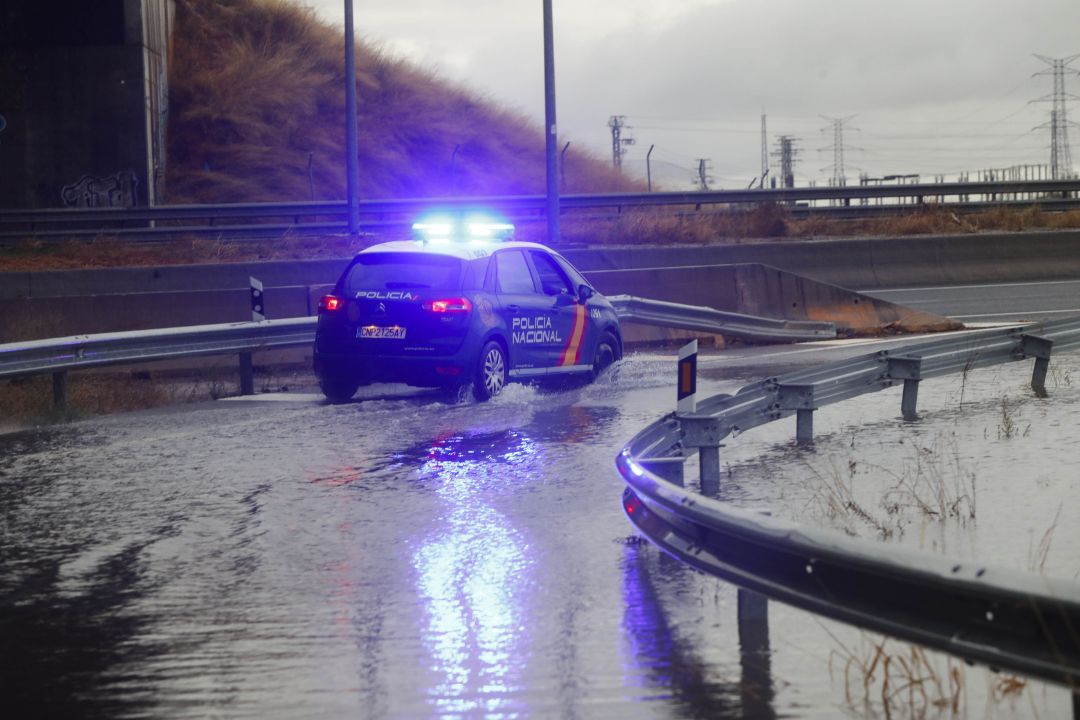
[{"x": 404, "y": 557}]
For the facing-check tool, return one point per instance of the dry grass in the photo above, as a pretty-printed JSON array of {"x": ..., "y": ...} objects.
[
  {"x": 835, "y": 497},
  {"x": 645, "y": 226},
  {"x": 28, "y": 401},
  {"x": 1038, "y": 555},
  {"x": 931, "y": 220},
  {"x": 934, "y": 481},
  {"x": 888, "y": 677},
  {"x": 257, "y": 112},
  {"x": 31, "y": 255}
]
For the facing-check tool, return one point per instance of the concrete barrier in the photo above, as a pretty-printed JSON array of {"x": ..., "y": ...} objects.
[
  {"x": 756, "y": 289},
  {"x": 35, "y": 318},
  {"x": 98, "y": 300},
  {"x": 854, "y": 263},
  {"x": 864, "y": 264}
]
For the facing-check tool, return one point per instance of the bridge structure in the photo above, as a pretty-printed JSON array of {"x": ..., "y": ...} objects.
[{"x": 83, "y": 102}]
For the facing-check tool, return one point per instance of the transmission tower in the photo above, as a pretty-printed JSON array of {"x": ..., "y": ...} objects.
[
  {"x": 1060, "y": 159},
  {"x": 703, "y": 177},
  {"x": 786, "y": 152},
  {"x": 764, "y": 152},
  {"x": 617, "y": 123},
  {"x": 839, "y": 176}
]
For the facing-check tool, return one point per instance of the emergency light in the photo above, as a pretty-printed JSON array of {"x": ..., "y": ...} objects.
[{"x": 473, "y": 229}]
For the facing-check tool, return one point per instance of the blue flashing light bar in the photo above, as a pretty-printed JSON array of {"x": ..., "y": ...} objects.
[{"x": 474, "y": 229}]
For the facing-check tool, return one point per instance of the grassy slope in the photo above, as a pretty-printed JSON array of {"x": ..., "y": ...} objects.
[{"x": 257, "y": 90}]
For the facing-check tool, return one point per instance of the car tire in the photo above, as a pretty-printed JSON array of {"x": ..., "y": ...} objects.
[
  {"x": 607, "y": 352},
  {"x": 338, "y": 389},
  {"x": 491, "y": 372}
]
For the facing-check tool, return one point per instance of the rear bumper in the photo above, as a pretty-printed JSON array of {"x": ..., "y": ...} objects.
[{"x": 432, "y": 371}]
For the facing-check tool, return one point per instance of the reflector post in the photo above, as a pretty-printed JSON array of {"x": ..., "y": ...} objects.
[
  {"x": 258, "y": 304},
  {"x": 686, "y": 396}
]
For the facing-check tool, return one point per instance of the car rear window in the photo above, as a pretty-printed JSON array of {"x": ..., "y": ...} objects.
[{"x": 402, "y": 271}]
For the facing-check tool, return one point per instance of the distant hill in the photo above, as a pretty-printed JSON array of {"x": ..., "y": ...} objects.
[{"x": 256, "y": 113}]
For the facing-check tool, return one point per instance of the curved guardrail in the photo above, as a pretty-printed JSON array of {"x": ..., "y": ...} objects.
[
  {"x": 1018, "y": 621},
  {"x": 707, "y": 319}
]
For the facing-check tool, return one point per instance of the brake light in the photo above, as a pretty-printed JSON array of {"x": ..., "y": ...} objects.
[
  {"x": 331, "y": 303},
  {"x": 449, "y": 306}
]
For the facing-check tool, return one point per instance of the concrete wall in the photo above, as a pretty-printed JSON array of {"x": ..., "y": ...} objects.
[
  {"x": 862, "y": 264},
  {"x": 850, "y": 263},
  {"x": 83, "y": 95},
  {"x": 52, "y": 303}
]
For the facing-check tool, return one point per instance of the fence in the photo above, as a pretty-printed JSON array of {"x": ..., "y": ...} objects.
[{"x": 330, "y": 216}]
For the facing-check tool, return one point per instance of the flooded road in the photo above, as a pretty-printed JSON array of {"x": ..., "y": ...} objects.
[{"x": 399, "y": 556}]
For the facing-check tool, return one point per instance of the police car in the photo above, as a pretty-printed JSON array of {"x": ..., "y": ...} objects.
[{"x": 463, "y": 305}]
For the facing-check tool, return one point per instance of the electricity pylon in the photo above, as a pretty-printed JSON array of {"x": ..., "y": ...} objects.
[
  {"x": 1060, "y": 158},
  {"x": 617, "y": 123}
]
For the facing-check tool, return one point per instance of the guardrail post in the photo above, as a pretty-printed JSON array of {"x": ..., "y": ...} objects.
[
  {"x": 59, "y": 389},
  {"x": 799, "y": 398},
  {"x": 247, "y": 374},
  {"x": 754, "y": 657},
  {"x": 669, "y": 468},
  {"x": 704, "y": 433},
  {"x": 753, "y": 622},
  {"x": 1038, "y": 348},
  {"x": 908, "y": 369}
]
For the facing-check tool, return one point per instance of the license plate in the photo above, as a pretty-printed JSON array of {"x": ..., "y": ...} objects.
[{"x": 373, "y": 331}]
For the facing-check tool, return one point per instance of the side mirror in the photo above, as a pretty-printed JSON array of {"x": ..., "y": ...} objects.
[{"x": 584, "y": 292}]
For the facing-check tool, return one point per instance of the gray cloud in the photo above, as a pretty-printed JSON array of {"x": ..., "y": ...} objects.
[{"x": 936, "y": 86}]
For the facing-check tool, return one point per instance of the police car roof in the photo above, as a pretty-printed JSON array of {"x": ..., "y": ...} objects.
[{"x": 460, "y": 250}]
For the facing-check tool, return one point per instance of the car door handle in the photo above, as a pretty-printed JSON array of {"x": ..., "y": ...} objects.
[{"x": 514, "y": 308}]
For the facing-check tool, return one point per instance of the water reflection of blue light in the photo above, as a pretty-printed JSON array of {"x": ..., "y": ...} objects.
[
  {"x": 473, "y": 575},
  {"x": 649, "y": 643}
]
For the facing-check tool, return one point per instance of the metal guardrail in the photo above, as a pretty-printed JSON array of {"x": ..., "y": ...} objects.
[
  {"x": 706, "y": 319},
  {"x": 59, "y": 355},
  {"x": 330, "y": 216},
  {"x": 1010, "y": 620},
  {"x": 88, "y": 351}
]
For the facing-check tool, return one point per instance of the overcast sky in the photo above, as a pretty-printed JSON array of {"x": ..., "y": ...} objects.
[{"x": 926, "y": 86}]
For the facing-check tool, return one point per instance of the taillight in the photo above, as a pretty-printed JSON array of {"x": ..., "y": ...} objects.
[
  {"x": 450, "y": 306},
  {"x": 331, "y": 303}
]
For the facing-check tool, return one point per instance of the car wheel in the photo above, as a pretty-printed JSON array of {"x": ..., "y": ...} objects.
[
  {"x": 337, "y": 389},
  {"x": 491, "y": 372},
  {"x": 607, "y": 352}
]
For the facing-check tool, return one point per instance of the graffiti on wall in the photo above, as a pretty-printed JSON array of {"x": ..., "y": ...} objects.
[{"x": 116, "y": 190}]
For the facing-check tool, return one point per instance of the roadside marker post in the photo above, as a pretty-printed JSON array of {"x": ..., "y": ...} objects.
[
  {"x": 258, "y": 304},
  {"x": 703, "y": 433},
  {"x": 258, "y": 314},
  {"x": 687, "y": 389}
]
